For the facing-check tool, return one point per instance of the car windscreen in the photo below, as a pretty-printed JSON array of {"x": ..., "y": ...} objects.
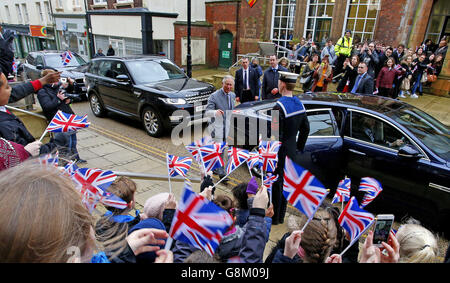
[
  {"x": 148, "y": 71},
  {"x": 435, "y": 135},
  {"x": 55, "y": 61}
]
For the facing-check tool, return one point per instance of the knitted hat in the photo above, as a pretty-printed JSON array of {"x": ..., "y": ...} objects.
[
  {"x": 154, "y": 206},
  {"x": 252, "y": 186}
]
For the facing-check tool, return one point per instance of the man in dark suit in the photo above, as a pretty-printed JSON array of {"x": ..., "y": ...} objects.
[
  {"x": 269, "y": 88},
  {"x": 364, "y": 82},
  {"x": 246, "y": 83}
]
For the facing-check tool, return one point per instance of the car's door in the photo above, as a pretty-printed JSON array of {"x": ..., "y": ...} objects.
[
  {"x": 122, "y": 94},
  {"x": 105, "y": 83},
  {"x": 322, "y": 154},
  {"x": 371, "y": 149}
]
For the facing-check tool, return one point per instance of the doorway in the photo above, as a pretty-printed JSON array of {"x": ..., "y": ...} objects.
[
  {"x": 225, "y": 49},
  {"x": 322, "y": 31}
]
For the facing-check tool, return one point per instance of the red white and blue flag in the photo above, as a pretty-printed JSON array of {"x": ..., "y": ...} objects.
[
  {"x": 49, "y": 159},
  {"x": 194, "y": 146},
  {"x": 268, "y": 154},
  {"x": 199, "y": 222},
  {"x": 178, "y": 165},
  {"x": 236, "y": 156},
  {"x": 355, "y": 220},
  {"x": 253, "y": 160},
  {"x": 302, "y": 189},
  {"x": 211, "y": 156},
  {"x": 70, "y": 168},
  {"x": 14, "y": 66},
  {"x": 343, "y": 191},
  {"x": 63, "y": 122},
  {"x": 66, "y": 57},
  {"x": 93, "y": 185},
  {"x": 372, "y": 189},
  {"x": 268, "y": 181}
]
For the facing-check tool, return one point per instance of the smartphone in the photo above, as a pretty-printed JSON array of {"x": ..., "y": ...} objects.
[
  {"x": 383, "y": 226},
  {"x": 63, "y": 80}
]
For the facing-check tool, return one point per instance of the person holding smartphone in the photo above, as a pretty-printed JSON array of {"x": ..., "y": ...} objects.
[{"x": 52, "y": 97}]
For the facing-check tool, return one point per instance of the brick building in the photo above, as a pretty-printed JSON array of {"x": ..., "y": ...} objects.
[{"x": 233, "y": 27}]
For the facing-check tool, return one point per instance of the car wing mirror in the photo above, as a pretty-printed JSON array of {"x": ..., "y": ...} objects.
[
  {"x": 123, "y": 79},
  {"x": 40, "y": 67},
  {"x": 409, "y": 152}
]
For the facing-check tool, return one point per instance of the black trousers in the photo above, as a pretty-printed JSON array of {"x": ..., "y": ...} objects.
[
  {"x": 279, "y": 202},
  {"x": 247, "y": 96}
]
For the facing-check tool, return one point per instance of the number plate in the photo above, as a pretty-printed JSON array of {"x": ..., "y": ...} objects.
[{"x": 200, "y": 108}]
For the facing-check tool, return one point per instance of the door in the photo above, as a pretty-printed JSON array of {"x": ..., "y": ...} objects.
[
  {"x": 225, "y": 50},
  {"x": 122, "y": 94},
  {"x": 446, "y": 28},
  {"x": 118, "y": 46},
  {"x": 322, "y": 154},
  {"x": 371, "y": 147}
]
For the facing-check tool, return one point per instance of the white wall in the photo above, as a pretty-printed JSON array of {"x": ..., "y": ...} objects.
[
  {"x": 120, "y": 26},
  {"x": 179, "y": 7},
  {"x": 34, "y": 18}
]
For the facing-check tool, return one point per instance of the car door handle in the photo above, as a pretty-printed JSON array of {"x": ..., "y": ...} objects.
[{"x": 357, "y": 152}]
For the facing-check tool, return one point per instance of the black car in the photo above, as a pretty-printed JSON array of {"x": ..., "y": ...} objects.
[
  {"x": 147, "y": 88},
  {"x": 358, "y": 136},
  {"x": 37, "y": 61}
]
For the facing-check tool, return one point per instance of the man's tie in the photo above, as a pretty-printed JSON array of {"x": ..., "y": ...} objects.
[
  {"x": 355, "y": 87},
  {"x": 245, "y": 79}
]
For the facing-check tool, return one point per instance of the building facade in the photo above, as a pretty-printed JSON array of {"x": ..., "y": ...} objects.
[{"x": 32, "y": 23}]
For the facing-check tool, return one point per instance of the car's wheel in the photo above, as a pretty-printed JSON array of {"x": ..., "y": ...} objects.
[
  {"x": 96, "y": 106},
  {"x": 152, "y": 122}
]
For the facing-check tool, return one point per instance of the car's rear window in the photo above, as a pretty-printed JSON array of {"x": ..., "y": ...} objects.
[{"x": 148, "y": 71}]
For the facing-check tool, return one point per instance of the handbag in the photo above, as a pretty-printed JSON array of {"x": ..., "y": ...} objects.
[
  {"x": 405, "y": 84},
  {"x": 305, "y": 80},
  {"x": 431, "y": 78},
  {"x": 424, "y": 77}
]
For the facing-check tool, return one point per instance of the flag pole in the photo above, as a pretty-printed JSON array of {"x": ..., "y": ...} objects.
[
  {"x": 43, "y": 135},
  {"x": 168, "y": 172},
  {"x": 226, "y": 176},
  {"x": 249, "y": 170},
  {"x": 201, "y": 159},
  {"x": 168, "y": 243}
]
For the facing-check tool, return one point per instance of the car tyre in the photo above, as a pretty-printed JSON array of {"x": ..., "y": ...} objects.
[
  {"x": 152, "y": 122},
  {"x": 96, "y": 106}
]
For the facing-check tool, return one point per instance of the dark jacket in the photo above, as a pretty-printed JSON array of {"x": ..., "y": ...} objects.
[
  {"x": 371, "y": 60},
  {"x": 253, "y": 241},
  {"x": 20, "y": 91},
  {"x": 270, "y": 81},
  {"x": 110, "y": 52},
  {"x": 366, "y": 85},
  {"x": 253, "y": 79},
  {"x": 418, "y": 68},
  {"x": 350, "y": 76},
  {"x": 50, "y": 103},
  {"x": 6, "y": 53}
]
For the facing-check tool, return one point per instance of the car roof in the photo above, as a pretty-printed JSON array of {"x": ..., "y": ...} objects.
[
  {"x": 356, "y": 101},
  {"x": 49, "y": 52},
  {"x": 132, "y": 57}
]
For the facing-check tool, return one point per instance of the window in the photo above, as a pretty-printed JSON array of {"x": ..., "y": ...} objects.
[
  {"x": 31, "y": 60},
  {"x": 96, "y": 2},
  {"x": 59, "y": 4},
  {"x": 283, "y": 23},
  {"x": 8, "y": 14},
  {"x": 439, "y": 12},
  {"x": 104, "y": 68},
  {"x": 117, "y": 68},
  {"x": 39, "y": 61},
  {"x": 40, "y": 13},
  {"x": 372, "y": 130},
  {"x": 321, "y": 123},
  {"x": 25, "y": 13},
  {"x": 152, "y": 71},
  {"x": 94, "y": 68},
  {"x": 318, "y": 21},
  {"x": 47, "y": 11},
  {"x": 19, "y": 14},
  {"x": 361, "y": 18},
  {"x": 124, "y": 1},
  {"x": 76, "y": 3}
]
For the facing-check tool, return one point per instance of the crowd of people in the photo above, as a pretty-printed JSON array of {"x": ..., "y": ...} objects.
[{"x": 396, "y": 71}]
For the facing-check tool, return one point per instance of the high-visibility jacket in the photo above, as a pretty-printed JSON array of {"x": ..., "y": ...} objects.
[{"x": 344, "y": 46}]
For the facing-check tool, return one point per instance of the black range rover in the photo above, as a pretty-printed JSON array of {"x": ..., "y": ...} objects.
[{"x": 146, "y": 88}]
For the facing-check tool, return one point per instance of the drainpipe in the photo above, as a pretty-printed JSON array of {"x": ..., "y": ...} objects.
[{"x": 188, "y": 56}]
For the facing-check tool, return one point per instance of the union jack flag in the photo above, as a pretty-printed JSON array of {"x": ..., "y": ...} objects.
[
  {"x": 178, "y": 165},
  {"x": 355, "y": 220},
  {"x": 343, "y": 191},
  {"x": 302, "y": 189},
  {"x": 268, "y": 181},
  {"x": 66, "y": 57},
  {"x": 268, "y": 154},
  {"x": 253, "y": 160},
  {"x": 372, "y": 188},
  {"x": 199, "y": 222},
  {"x": 236, "y": 156},
  {"x": 70, "y": 168},
  {"x": 14, "y": 66},
  {"x": 63, "y": 122},
  {"x": 211, "y": 156},
  {"x": 49, "y": 159},
  {"x": 93, "y": 184},
  {"x": 194, "y": 146}
]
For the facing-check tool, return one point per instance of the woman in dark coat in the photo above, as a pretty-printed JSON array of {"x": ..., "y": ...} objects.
[{"x": 350, "y": 73}]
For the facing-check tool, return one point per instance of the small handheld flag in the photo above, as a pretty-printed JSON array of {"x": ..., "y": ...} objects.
[
  {"x": 236, "y": 157},
  {"x": 178, "y": 165},
  {"x": 66, "y": 57},
  {"x": 210, "y": 154},
  {"x": 49, "y": 159},
  {"x": 302, "y": 189},
  {"x": 268, "y": 154},
  {"x": 343, "y": 191},
  {"x": 199, "y": 222},
  {"x": 372, "y": 188}
]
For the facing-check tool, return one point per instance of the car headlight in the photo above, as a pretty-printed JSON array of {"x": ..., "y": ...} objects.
[{"x": 177, "y": 101}]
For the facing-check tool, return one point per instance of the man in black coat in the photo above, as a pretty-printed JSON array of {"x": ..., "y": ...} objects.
[
  {"x": 246, "y": 83},
  {"x": 6, "y": 51},
  {"x": 269, "y": 88},
  {"x": 11, "y": 127},
  {"x": 364, "y": 82}
]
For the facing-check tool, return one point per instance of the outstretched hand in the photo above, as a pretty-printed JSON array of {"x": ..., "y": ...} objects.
[{"x": 146, "y": 240}]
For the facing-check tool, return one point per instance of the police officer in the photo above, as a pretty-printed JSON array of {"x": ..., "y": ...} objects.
[{"x": 291, "y": 120}]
